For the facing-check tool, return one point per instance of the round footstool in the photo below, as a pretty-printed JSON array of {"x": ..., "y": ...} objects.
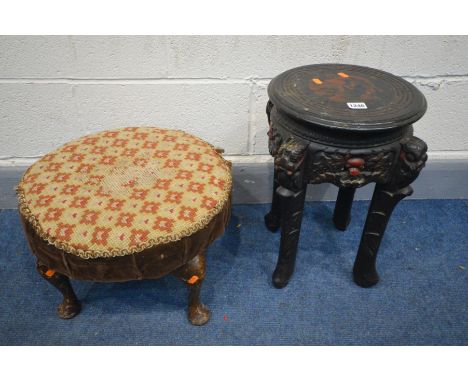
[{"x": 126, "y": 204}]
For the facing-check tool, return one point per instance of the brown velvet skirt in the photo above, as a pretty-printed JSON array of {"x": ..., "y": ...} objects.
[{"x": 151, "y": 263}]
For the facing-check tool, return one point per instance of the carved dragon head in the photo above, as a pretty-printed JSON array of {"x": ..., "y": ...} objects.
[
  {"x": 291, "y": 156},
  {"x": 412, "y": 159}
]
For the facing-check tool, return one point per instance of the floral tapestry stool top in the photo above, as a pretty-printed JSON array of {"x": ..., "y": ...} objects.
[{"x": 126, "y": 204}]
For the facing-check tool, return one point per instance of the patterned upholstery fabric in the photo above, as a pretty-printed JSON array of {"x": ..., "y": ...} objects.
[{"x": 119, "y": 192}]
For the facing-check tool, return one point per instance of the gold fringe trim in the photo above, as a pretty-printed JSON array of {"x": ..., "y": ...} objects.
[{"x": 27, "y": 214}]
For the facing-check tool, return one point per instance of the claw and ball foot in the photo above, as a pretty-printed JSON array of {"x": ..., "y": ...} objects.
[
  {"x": 70, "y": 305},
  {"x": 193, "y": 274}
]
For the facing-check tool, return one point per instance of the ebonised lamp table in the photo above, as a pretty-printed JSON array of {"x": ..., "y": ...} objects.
[{"x": 347, "y": 125}]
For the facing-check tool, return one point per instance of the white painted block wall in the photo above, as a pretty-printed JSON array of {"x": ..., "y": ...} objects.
[{"x": 57, "y": 88}]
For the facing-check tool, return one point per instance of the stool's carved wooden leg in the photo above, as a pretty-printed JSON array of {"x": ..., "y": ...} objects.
[
  {"x": 293, "y": 205},
  {"x": 193, "y": 274},
  {"x": 386, "y": 196},
  {"x": 273, "y": 218},
  {"x": 342, "y": 213},
  {"x": 70, "y": 306},
  {"x": 383, "y": 202},
  {"x": 292, "y": 189}
]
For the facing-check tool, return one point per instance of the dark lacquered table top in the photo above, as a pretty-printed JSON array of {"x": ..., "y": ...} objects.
[{"x": 348, "y": 97}]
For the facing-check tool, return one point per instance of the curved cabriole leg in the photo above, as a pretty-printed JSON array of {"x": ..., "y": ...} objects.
[
  {"x": 193, "y": 274},
  {"x": 70, "y": 306},
  {"x": 273, "y": 218},
  {"x": 342, "y": 213},
  {"x": 293, "y": 205}
]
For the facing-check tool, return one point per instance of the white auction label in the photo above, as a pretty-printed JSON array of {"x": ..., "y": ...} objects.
[{"x": 357, "y": 105}]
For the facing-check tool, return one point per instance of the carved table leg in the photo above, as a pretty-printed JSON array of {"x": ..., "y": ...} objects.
[
  {"x": 70, "y": 306},
  {"x": 193, "y": 274},
  {"x": 386, "y": 196},
  {"x": 383, "y": 202},
  {"x": 293, "y": 205},
  {"x": 273, "y": 218},
  {"x": 342, "y": 213}
]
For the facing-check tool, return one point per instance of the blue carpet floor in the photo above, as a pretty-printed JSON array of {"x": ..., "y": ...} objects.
[{"x": 421, "y": 299}]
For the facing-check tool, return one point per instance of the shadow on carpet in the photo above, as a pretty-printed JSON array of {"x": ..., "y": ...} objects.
[{"x": 420, "y": 300}]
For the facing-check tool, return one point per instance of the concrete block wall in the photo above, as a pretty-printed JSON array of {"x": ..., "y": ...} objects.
[{"x": 57, "y": 88}]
